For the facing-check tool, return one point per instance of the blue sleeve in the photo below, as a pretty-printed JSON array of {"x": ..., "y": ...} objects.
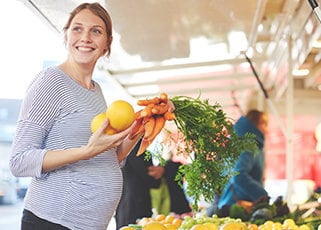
[{"x": 244, "y": 184}]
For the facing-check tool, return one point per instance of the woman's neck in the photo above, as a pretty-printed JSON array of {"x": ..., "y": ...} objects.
[{"x": 80, "y": 74}]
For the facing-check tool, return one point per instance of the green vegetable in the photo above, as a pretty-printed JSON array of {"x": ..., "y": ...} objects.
[
  {"x": 212, "y": 145},
  {"x": 261, "y": 215},
  {"x": 238, "y": 211}
]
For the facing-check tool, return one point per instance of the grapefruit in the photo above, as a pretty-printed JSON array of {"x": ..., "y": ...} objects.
[
  {"x": 120, "y": 114},
  {"x": 97, "y": 121}
]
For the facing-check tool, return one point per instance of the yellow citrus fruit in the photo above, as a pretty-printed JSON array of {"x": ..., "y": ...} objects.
[
  {"x": 169, "y": 219},
  {"x": 127, "y": 228},
  {"x": 199, "y": 227},
  {"x": 120, "y": 114},
  {"x": 233, "y": 226},
  {"x": 210, "y": 226},
  {"x": 304, "y": 227},
  {"x": 143, "y": 221},
  {"x": 171, "y": 226},
  {"x": 97, "y": 121},
  {"x": 154, "y": 226},
  {"x": 177, "y": 222},
  {"x": 110, "y": 130},
  {"x": 277, "y": 226},
  {"x": 252, "y": 227},
  {"x": 289, "y": 223},
  {"x": 160, "y": 217},
  {"x": 264, "y": 227}
]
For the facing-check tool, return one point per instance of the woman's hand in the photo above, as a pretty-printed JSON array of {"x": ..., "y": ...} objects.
[
  {"x": 171, "y": 106},
  {"x": 156, "y": 171},
  {"x": 100, "y": 141}
]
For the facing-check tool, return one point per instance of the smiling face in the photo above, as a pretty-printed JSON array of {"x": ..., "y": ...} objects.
[{"x": 86, "y": 38}]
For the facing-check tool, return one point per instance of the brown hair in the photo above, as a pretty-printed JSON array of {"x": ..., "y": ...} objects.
[
  {"x": 101, "y": 12},
  {"x": 255, "y": 116}
]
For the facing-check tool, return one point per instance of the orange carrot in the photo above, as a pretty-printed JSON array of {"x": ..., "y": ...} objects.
[
  {"x": 163, "y": 97},
  {"x": 142, "y": 102},
  {"x": 137, "y": 129},
  {"x": 154, "y": 100},
  {"x": 159, "y": 125},
  {"x": 143, "y": 146},
  {"x": 146, "y": 102},
  {"x": 169, "y": 116},
  {"x": 138, "y": 114},
  {"x": 160, "y": 108},
  {"x": 147, "y": 111},
  {"x": 149, "y": 124}
]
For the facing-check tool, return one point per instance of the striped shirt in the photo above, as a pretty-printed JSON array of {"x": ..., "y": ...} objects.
[{"x": 56, "y": 114}]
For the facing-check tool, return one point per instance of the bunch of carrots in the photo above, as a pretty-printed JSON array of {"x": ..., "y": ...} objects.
[{"x": 151, "y": 120}]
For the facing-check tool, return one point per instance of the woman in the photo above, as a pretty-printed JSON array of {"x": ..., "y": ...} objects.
[
  {"x": 76, "y": 176},
  {"x": 247, "y": 184}
]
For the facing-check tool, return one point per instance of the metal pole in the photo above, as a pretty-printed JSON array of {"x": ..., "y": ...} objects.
[
  {"x": 316, "y": 10},
  {"x": 270, "y": 103},
  {"x": 289, "y": 139}
]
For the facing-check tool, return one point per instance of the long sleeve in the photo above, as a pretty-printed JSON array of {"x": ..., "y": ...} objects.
[{"x": 247, "y": 184}]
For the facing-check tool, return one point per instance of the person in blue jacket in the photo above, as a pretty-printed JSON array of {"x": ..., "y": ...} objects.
[{"x": 248, "y": 183}]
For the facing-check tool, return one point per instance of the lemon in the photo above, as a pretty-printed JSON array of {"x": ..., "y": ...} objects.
[
  {"x": 199, "y": 227},
  {"x": 160, "y": 217},
  {"x": 120, "y": 114},
  {"x": 171, "y": 226},
  {"x": 233, "y": 226},
  {"x": 127, "y": 228},
  {"x": 304, "y": 227},
  {"x": 252, "y": 227},
  {"x": 210, "y": 226},
  {"x": 177, "y": 222},
  {"x": 169, "y": 219},
  {"x": 289, "y": 223},
  {"x": 154, "y": 226}
]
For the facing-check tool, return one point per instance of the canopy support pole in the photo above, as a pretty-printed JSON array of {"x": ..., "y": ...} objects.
[{"x": 289, "y": 118}]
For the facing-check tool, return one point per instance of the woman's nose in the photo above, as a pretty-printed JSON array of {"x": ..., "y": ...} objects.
[{"x": 85, "y": 37}]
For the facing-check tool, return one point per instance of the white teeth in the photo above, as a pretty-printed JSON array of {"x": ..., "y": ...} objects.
[{"x": 86, "y": 49}]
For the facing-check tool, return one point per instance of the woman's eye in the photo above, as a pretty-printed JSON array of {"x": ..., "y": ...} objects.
[
  {"x": 96, "y": 31},
  {"x": 77, "y": 28}
]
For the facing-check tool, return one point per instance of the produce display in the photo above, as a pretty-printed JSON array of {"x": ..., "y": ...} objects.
[{"x": 202, "y": 222}]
